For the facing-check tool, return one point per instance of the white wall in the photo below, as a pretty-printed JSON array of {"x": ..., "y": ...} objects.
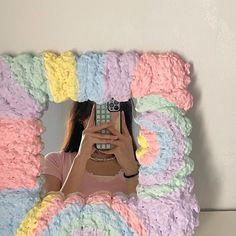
[
  {"x": 202, "y": 32},
  {"x": 54, "y": 120}
]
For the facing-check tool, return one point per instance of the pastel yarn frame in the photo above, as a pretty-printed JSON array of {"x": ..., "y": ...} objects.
[{"x": 165, "y": 203}]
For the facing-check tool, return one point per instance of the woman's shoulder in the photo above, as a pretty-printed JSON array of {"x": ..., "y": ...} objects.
[
  {"x": 57, "y": 155},
  {"x": 54, "y": 154}
]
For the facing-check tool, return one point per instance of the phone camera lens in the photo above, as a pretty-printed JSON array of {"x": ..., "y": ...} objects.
[
  {"x": 115, "y": 102},
  {"x": 111, "y": 104},
  {"x": 116, "y": 108}
]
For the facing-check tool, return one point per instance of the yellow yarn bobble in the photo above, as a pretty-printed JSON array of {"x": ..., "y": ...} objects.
[
  {"x": 61, "y": 75},
  {"x": 143, "y": 146},
  {"x": 30, "y": 222}
]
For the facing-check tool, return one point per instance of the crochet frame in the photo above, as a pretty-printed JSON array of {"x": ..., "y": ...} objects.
[{"x": 165, "y": 203}]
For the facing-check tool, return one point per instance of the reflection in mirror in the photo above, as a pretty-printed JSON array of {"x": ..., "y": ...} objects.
[{"x": 73, "y": 163}]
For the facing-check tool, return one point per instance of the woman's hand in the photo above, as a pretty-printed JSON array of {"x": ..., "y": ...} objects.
[
  {"x": 90, "y": 137},
  {"x": 123, "y": 151}
]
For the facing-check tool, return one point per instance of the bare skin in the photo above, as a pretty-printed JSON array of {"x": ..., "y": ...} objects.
[{"x": 105, "y": 168}]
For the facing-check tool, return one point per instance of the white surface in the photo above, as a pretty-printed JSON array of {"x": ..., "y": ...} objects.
[
  {"x": 202, "y": 32},
  {"x": 218, "y": 223},
  {"x": 54, "y": 120}
]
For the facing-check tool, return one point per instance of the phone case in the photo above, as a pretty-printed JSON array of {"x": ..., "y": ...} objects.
[{"x": 106, "y": 112}]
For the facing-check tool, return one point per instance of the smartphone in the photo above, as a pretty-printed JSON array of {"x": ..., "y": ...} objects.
[{"x": 106, "y": 112}]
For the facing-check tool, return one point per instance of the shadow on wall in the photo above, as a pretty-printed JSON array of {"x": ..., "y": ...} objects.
[{"x": 204, "y": 174}]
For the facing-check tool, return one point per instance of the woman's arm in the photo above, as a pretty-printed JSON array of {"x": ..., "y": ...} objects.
[
  {"x": 75, "y": 175},
  {"x": 52, "y": 183},
  {"x": 132, "y": 182}
]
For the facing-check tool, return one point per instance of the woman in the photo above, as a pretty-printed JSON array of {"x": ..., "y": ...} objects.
[{"x": 80, "y": 167}]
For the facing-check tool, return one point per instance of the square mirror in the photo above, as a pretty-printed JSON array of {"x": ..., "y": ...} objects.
[{"x": 161, "y": 200}]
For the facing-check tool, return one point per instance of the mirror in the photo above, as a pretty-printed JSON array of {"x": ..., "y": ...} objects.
[
  {"x": 164, "y": 202},
  {"x": 64, "y": 124}
]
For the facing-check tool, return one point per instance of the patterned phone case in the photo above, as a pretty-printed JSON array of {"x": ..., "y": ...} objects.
[{"x": 105, "y": 113}]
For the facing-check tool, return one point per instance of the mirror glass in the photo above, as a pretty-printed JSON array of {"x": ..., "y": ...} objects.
[{"x": 63, "y": 142}]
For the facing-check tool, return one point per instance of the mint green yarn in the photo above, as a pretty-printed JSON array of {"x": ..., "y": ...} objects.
[
  {"x": 89, "y": 223},
  {"x": 29, "y": 72},
  {"x": 156, "y": 103}
]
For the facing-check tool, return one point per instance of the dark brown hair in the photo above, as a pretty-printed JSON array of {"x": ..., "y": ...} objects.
[{"x": 81, "y": 111}]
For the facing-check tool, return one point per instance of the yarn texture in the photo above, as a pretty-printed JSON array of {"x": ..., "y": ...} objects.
[{"x": 165, "y": 203}]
